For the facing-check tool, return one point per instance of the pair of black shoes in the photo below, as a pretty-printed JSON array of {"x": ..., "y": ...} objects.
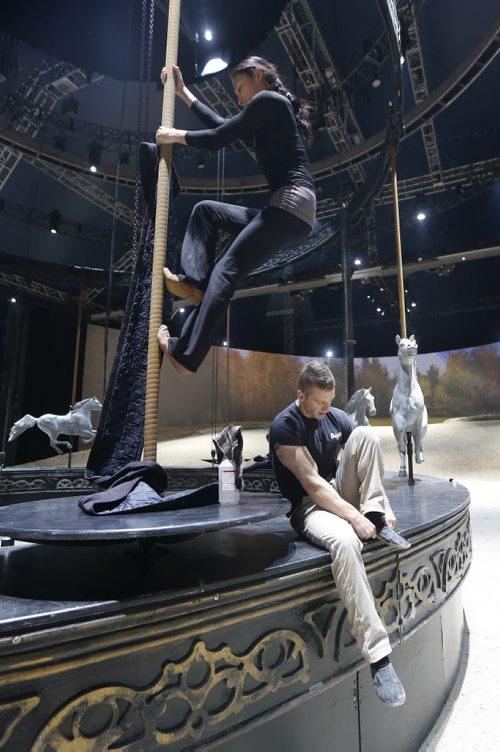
[{"x": 386, "y": 534}]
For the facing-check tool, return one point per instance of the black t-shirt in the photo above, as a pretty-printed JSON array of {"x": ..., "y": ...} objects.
[
  {"x": 323, "y": 438},
  {"x": 279, "y": 147}
]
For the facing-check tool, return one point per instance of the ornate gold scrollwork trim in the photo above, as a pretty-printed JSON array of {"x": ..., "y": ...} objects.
[
  {"x": 178, "y": 705},
  {"x": 12, "y": 713}
]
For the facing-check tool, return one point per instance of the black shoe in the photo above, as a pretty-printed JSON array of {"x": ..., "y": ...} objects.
[
  {"x": 387, "y": 686},
  {"x": 391, "y": 538}
]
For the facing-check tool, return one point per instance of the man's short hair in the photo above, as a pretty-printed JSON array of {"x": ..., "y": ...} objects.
[{"x": 315, "y": 374}]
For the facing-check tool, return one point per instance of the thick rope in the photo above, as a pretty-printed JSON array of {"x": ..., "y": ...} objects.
[{"x": 160, "y": 244}]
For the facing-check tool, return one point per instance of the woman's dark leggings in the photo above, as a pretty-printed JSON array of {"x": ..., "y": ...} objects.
[{"x": 260, "y": 234}]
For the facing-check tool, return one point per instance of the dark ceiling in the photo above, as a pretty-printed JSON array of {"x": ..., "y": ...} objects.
[{"x": 62, "y": 91}]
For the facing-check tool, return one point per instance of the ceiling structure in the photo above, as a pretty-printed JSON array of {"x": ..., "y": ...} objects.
[{"x": 57, "y": 111}]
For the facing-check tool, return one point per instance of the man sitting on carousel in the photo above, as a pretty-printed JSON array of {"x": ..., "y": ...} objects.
[{"x": 338, "y": 504}]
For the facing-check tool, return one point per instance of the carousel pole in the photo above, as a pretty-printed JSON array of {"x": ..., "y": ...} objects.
[
  {"x": 397, "y": 229},
  {"x": 160, "y": 242},
  {"x": 76, "y": 360},
  {"x": 401, "y": 288}
]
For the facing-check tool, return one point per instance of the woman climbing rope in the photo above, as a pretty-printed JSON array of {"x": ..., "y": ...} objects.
[{"x": 280, "y": 125}]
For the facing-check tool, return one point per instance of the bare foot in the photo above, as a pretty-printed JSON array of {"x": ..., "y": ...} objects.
[
  {"x": 181, "y": 289},
  {"x": 163, "y": 337}
]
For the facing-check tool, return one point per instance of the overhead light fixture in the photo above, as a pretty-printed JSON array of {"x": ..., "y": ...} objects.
[
  {"x": 378, "y": 309},
  {"x": 208, "y": 35},
  {"x": 181, "y": 310},
  {"x": 357, "y": 262},
  {"x": 200, "y": 164},
  {"x": 13, "y": 300},
  {"x": 214, "y": 65},
  {"x": 421, "y": 216},
  {"x": 224, "y": 344},
  {"x": 376, "y": 80},
  {"x": 413, "y": 304},
  {"x": 95, "y": 152},
  {"x": 329, "y": 353},
  {"x": 55, "y": 217}
]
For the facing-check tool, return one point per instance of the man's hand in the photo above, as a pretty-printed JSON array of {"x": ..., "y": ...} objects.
[
  {"x": 389, "y": 515},
  {"x": 363, "y": 528}
]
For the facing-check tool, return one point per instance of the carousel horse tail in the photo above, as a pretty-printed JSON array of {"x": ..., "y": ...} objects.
[{"x": 22, "y": 425}]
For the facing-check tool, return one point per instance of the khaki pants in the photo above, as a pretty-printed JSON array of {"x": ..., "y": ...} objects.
[{"x": 358, "y": 481}]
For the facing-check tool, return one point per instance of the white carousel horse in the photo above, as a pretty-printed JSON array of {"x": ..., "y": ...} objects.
[
  {"x": 75, "y": 423},
  {"x": 408, "y": 410},
  {"x": 361, "y": 404}
]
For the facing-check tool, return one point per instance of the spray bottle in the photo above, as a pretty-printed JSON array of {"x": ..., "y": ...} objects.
[{"x": 228, "y": 493}]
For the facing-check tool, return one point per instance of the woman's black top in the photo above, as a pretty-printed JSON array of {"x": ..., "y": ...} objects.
[{"x": 279, "y": 147}]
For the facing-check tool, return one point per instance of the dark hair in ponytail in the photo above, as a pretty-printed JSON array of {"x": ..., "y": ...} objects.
[{"x": 301, "y": 108}]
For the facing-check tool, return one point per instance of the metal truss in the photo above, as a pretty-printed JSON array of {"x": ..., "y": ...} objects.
[
  {"x": 301, "y": 37},
  {"x": 63, "y": 226},
  {"x": 43, "y": 89},
  {"x": 464, "y": 176},
  {"x": 37, "y": 288},
  {"x": 374, "y": 273},
  {"x": 85, "y": 188},
  {"x": 287, "y": 311},
  {"x": 416, "y": 70}
]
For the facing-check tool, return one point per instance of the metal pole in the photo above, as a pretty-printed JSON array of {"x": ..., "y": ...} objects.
[
  {"x": 397, "y": 229},
  {"x": 349, "y": 340},
  {"x": 160, "y": 244},
  {"x": 228, "y": 383},
  {"x": 77, "y": 343}
]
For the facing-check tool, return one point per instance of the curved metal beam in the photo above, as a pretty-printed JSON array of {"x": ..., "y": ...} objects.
[{"x": 451, "y": 88}]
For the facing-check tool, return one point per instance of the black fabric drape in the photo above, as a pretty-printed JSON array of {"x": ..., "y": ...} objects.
[{"x": 119, "y": 438}]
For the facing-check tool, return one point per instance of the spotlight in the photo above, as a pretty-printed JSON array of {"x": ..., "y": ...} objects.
[
  {"x": 378, "y": 309},
  {"x": 413, "y": 304},
  {"x": 181, "y": 310},
  {"x": 200, "y": 164},
  {"x": 376, "y": 79},
  {"x": 54, "y": 219},
  {"x": 13, "y": 300},
  {"x": 357, "y": 262},
  {"x": 329, "y": 353},
  {"x": 208, "y": 35},
  {"x": 421, "y": 216},
  {"x": 224, "y": 344},
  {"x": 215, "y": 65},
  {"x": 94, "y": 156}
]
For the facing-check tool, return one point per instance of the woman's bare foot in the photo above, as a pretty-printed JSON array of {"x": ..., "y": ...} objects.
[
  {"x": 181, "y": 289},
  {"x": 163, "y": 337}
]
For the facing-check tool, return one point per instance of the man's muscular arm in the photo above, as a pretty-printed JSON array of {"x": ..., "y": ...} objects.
[{"x": 299, "y": 461}]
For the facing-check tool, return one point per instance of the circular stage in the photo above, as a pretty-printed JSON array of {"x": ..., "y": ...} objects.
[{"x": 231, "y": 639}]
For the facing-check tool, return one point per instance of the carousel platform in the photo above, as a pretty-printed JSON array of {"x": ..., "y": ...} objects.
[{"x": 230, "y": 639}]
